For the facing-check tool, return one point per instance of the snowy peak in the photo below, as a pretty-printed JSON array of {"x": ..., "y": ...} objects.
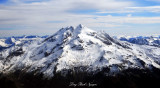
[
  {"x": 10, "y": 40},
  {"x": 70, "y": 33},
  {"x": 80, "y": 26},
  {"x": 80, "y": 29}
]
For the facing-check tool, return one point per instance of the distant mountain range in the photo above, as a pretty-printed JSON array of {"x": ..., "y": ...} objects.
[
  {"x": 7, "y": 42},
  {"x": 142, "y": 40}
]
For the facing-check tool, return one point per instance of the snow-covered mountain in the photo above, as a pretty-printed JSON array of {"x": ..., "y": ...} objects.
[
  {"x": 7, "y": 42},
  {"x": 79, "y": 47},
  {"x": 142, "y": 40}
]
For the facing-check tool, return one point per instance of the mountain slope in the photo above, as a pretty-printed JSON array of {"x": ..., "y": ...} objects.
[{"x": 79, "y": 47}]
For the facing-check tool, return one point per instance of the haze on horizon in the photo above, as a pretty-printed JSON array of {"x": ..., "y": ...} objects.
[{"x": 45, "y": 17}]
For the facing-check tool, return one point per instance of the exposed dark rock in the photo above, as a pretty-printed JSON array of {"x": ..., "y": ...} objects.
[
  {"x": 131, "y": 78},
  {"x": 16, "y": 53},
  {"x": 46, "y": 54}
]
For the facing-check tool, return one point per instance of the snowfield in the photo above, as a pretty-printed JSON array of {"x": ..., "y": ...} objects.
[{"x": 78, "y": 47}]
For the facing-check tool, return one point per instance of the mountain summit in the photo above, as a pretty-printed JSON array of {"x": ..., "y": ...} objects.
[{"x": 79, "y": 47}]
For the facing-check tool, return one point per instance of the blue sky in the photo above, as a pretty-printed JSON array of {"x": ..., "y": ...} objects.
[
  {"x": 117, "y": 17},
  {"x": 3, "y": 1}
]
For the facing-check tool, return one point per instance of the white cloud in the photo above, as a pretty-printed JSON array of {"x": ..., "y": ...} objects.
[
  {"x": 154, "y": 9},
  {"x": 145, "y": 9},
  {"x": 84, "y": 4},
  {"x": 129, "y": 15},
  {"x": 42, "y": 16},
  {"x": 38, "y": 13},
  {"x": 154, "y": 0}
]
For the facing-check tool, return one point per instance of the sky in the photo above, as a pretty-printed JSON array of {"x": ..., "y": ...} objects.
[{"x": 45, "y": 17}]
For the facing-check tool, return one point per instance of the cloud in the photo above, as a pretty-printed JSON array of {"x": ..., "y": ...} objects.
[
  {"x": 38, "y": 13},
  {"x": 83, "y": 4},
  {"x": 145, "y": 9},
  {"x": 129, "y": 15},
  {"x": 153, "y": 9},
  {"x": 154, "y": 0},
  {"x": 47, "y": 16}
]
